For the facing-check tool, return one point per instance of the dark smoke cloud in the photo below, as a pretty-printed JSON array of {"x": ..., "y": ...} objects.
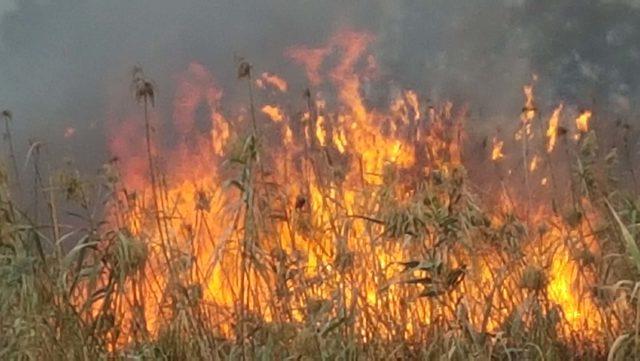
[{"x": 61, "y": 59}]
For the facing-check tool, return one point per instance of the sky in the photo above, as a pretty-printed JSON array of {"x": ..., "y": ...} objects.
[{"x": 6, "y": 5}]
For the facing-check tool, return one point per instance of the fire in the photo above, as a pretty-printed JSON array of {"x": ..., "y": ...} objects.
[
  {"x": 528, "y": 114},
  {"x": 335, "y": 191},
  {"x": 340, "y": 141},
  {"x": 269, "y": 79},
  {"x": 552, "y": 131},
  {"x": 496, "y": 151},
  {"x": 581, "y": 312},
  {"x": 321, "y": 134},
  {"x": 288, "y": 135},
  {"x": 529, "y": 110},
  {"x": 273, "y": 112},
  {"x": 582, "y": 121},
  {"x": 412, "y": 100},
  {"x": 534, "y": 163}
]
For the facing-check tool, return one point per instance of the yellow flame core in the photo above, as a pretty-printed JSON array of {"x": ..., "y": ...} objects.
[
  {"x": 582, "y": 121},
  {"x": 321, "y": 133},
  {"x": 534, "y": 163},
  {"x": 552, "y": 130},
  {"x": 273, "y": 112},
  {"x": 544, "y": 181},
  {"x": 496, "y": 151}
]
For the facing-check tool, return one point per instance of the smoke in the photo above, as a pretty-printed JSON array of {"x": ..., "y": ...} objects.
[{"x": 61, "y": 61}]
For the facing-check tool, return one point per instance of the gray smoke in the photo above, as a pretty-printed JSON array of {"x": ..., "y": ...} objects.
[{"x": 61, "y": 59}]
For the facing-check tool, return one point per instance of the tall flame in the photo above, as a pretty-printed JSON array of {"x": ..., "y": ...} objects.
[{"x": 552, "y": 130}]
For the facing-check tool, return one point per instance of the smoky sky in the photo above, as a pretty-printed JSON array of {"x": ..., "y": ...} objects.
[{"x": 61, "y": 60}]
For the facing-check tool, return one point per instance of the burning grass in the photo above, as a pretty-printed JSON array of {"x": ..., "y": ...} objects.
[{"x": 340, "y": 231}]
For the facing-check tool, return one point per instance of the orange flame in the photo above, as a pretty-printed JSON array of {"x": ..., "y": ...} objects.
[
  {"x": 582, "y": 121},
  {"x": 527, "y": 115},
  {"x": 534, "y": 163},
  {"x": 269, "y": 79},
  {"x": 329, "y": 161},
  {"x": 529, "y": 110},
  {"x": 273, "y": 112},
  {"x": 496, "y": 151},
  {"x": 552, "y": 131}
]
